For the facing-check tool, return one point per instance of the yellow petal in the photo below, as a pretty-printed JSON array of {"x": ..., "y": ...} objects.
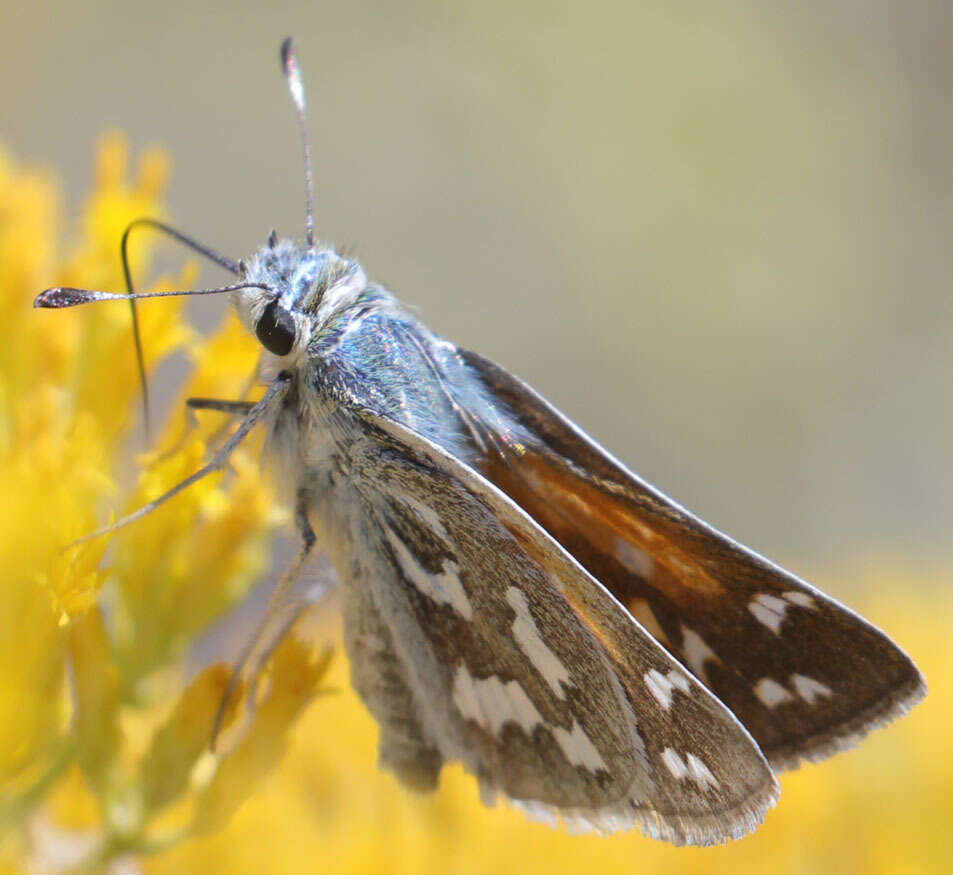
[
  {"x": 96, "y": 701},
  {"x": 295, "y": 674},
  {"x": 165, "y": 769}
]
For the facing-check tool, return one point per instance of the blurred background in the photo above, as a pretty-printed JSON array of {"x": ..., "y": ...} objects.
[{"x": 714, "y": 234}]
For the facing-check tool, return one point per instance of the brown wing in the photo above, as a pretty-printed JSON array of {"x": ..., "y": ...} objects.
[
  {"x": 805, "y": 675},
  {"x": 474, "y": 637}
]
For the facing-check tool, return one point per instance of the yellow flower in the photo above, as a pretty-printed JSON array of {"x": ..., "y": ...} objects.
[{"x": 92, "y": 638}]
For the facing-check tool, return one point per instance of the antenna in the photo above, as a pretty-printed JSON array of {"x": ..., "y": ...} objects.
[
  {"x": 65, "y": 296},
  {"x": 289, "y": 63}
]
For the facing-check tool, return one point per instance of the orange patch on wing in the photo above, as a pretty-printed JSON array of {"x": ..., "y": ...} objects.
[
  {"x": 579, "y": 514},
  {"x": 642, "y": 611}
]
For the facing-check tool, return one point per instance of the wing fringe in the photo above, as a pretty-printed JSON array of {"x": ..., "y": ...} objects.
[
  {"x": 678, "y": 829},
  {"x": 849, "y": 734}
]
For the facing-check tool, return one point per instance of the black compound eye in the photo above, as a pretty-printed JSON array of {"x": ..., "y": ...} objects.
[{"x": 276, "y": 329}]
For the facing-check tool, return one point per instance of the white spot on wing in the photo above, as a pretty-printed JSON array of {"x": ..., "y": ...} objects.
[
  {"x": 679, "y": 681},
  {"x": 492, "y": 703},
  {"x": 700, "y": 773},
  {"x": 579, "y": 749},
  {"x": 808, "y": 688},
  {"x": 696, "y": 652},
  {"x": 771, "y": 693},
  {"x": 768, "y": 610},
  {"x": 674, "y": 763},
  {"x": 636, "y": 560},
  {"x": 660, "y": 687},
  {"x": 691, "y": 767},
  {"x": 444, "y": 587},
  {"x": 430, "y": 517},
  {"x": 801, "y": 599},
  {"x": 531, "y": 643}
]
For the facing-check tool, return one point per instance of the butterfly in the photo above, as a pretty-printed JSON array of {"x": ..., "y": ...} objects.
[{"x": 515, "y": 599}]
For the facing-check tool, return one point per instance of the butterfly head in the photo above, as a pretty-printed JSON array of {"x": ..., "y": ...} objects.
[{"x": 292, "y": 291}]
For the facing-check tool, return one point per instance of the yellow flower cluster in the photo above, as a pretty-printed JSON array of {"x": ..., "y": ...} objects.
[
  {"x": 883, "y": 808},
  {"x": 103, "y": 745}
]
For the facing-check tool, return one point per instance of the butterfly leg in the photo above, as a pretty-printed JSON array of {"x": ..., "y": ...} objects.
[
  {"x": 232, "y": 408},
  {"x": 273, "y": 395},
  {"x": 276, "y": 603}
]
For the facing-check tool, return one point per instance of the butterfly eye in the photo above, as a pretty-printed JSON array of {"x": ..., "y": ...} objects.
[{"x": 276, "y": 329}]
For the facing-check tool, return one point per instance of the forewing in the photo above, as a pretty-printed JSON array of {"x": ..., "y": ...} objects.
[
  {"x": 521, "y": 666},
  {"x": 805, "y": 675}
]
